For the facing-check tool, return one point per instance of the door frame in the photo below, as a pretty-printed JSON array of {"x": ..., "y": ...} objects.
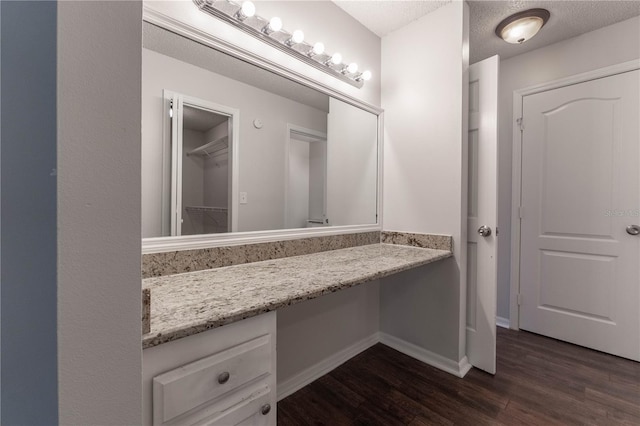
[
  {"x": 314, "y": 134},
  {"x": 516, "y": 167},
  {"x": 172, "y": 156}
]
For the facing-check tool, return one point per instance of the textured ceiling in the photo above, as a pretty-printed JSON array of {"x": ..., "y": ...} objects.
[
  {"x": 384, "y": 16},
  {"x": 568, "y": 19}
]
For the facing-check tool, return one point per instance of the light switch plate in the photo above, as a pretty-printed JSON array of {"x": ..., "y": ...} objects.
[{"x": 243, "y": 198}]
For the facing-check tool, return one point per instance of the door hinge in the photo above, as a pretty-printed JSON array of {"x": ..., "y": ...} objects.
[
  {"x": 519, "y": 299},
  {"x": 520, "y": 122},
  {"x": 521, "y": 212}
]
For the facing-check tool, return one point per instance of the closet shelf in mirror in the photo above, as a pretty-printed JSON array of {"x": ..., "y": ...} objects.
[
  {"x": 211, "y": 147},
  {"x": 206, "y": 209}
]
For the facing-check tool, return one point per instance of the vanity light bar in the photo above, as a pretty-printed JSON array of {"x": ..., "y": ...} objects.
[{"x": 244, "y": 17}]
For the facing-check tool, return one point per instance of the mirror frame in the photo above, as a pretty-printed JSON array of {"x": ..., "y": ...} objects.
[{"x": 191, "y": 242}]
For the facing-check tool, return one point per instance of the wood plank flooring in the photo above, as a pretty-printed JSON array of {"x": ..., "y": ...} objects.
[{"x": 539, "y": 381}]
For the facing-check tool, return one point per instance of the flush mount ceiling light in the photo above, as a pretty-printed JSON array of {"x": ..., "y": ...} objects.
[
  {"x": 244, "y": 17},
  {"x": 521, "y": 26}
]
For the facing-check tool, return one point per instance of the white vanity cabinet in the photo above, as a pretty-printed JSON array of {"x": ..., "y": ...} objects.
[{"x": 224, "y": 376}]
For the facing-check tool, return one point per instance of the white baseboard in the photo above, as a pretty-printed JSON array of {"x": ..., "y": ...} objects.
[
  {"x": 502, "y": 322},
  {"x": 318, "y": 370},
  {"x": 457, "y": 368},
  {"x": 302, "y": 379}
]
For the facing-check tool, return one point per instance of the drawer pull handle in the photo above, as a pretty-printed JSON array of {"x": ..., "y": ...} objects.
[
  {"x": 265, "y": 409},
  {"x": 223, "y": 378}
]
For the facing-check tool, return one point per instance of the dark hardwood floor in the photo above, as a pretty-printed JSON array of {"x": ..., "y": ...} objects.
[{"x": 539, "y": 381}]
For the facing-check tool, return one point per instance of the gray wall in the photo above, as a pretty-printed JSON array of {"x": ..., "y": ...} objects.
[
  {"x": 424, "y": 176},
  {"x": 99, "y": 242},
  {"x": 28, "y": 226},
  {"x": 597, "y": 49},
  {"x": 314, "y": 330}
]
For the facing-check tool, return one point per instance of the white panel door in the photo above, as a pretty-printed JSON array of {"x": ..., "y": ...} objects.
[
  {"x": 579, "y": 271},
  {"x": 482, "y": 212}
]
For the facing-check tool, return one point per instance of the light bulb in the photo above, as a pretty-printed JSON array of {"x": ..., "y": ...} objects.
[
  {"x": 366, "y": 76},
  {"x": 275, "y": 24},
  {"x": 318, "y": 48},
  {"x": 521, "y": 30},
  {"x": 248, "y": 9},
  {"x": 352, "y": 68},
  {"x": 515, "y": 32},
  {"x": 297, "y": 37},
  {"x": 336, "y": 59}
]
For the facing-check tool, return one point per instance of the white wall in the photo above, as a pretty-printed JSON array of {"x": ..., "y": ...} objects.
[
  {"x": 99, "y": 297},
  {"x": 423, "y": 92},
  {"x": 597, "y": 49},
  {"x": 352, "y": 165},
  {"x": 261, "y": 151}
]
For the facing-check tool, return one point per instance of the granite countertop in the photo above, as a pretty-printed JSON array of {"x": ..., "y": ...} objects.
[{"x": 190, "y": 303}]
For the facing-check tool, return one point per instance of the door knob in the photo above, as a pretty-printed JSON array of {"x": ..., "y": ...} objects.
[
  {"x": 485, "y": 231},
  {"x": 633, "y": 229}
]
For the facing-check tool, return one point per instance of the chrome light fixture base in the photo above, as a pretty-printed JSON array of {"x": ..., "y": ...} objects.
[{"x": 226, "y": 11}]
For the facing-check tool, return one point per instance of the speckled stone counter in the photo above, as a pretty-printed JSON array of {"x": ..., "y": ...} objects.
[
  {"x": 190, "y": 303},
  {"x": 178, "y": 262}
]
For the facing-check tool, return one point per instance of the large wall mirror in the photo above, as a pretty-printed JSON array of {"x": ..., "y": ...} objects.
[{"x": 229, "y": 147}]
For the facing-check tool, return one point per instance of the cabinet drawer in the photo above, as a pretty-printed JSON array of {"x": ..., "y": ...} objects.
[
  {"x": 259, "y": 409},
  {"x": 191, "y": 385}
]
